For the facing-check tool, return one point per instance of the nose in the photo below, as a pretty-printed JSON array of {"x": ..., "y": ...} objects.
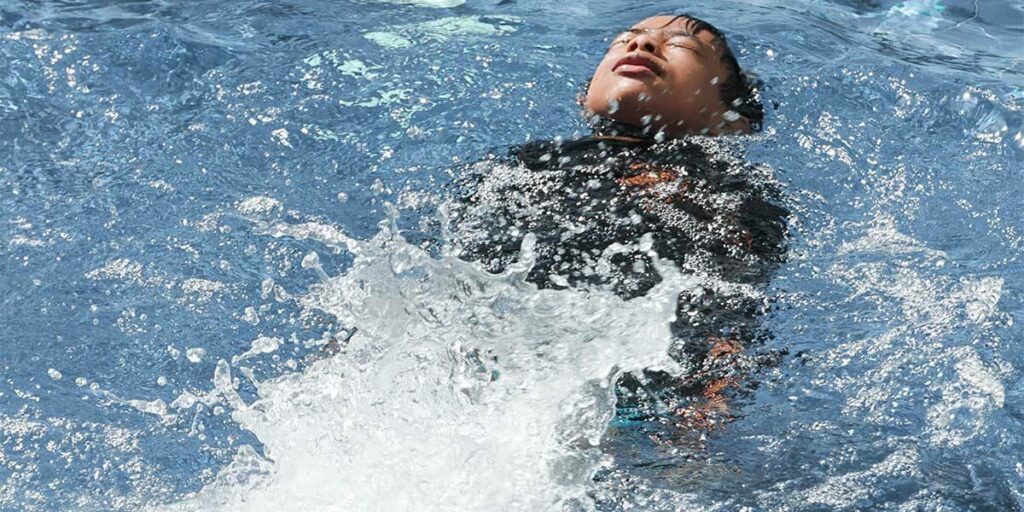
[{"x": 645, "y": 42}]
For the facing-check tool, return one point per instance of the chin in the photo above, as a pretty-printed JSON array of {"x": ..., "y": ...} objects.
[
  {"x": 628, "y": 89},
  {"x": 634, "y": 107}
]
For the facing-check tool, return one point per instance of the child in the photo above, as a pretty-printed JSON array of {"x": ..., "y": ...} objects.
[{"x": 652, "y": 176}]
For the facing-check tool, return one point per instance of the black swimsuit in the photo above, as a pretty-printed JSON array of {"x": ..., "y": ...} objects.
[{"x": 595, "y": 203}]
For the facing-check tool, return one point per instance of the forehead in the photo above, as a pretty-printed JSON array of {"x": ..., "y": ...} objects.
[{"x": 682, "y": 24}]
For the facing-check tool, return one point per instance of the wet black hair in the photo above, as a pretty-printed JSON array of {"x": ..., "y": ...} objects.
[{"x": 739, "y": 90}]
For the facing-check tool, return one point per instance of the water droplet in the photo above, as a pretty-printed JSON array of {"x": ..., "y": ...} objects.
[
  {"x": 195, "y": 355},
  {"x": 54, "y": 374},
  {"x": 266, "y": 287},
  {"x": 281, "y": 136},
  {"x": 161, "y": 381},
  {"x": 646, "y": 243},
  {"x": 265, "y": 345},
  {"x": 311, "y": 260},
  {"x": 251, "y": 316}
]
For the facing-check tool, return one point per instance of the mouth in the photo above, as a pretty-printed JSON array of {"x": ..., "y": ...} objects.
[{"x": 638, "y": 65}]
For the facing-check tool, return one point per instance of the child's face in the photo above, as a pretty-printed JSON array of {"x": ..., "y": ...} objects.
[{"x": 654, "y": 69}]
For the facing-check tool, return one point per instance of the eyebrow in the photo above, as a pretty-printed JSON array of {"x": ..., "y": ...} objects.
[
  {"x": 683, "y": 33},
  {"x": 671, "y": 33}
]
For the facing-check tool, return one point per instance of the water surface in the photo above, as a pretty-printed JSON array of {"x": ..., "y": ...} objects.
[{"x": 192, "y": 197}]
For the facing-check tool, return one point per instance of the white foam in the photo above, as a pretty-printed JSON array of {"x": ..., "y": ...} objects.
[
  {"x": 460, "y": 390},
  {"x": 258, "y": 205},
  {"x": 122, "y": 269}
]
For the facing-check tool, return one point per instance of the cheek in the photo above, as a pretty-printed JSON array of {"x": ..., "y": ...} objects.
[
  {"x": 689, "y": 87},
  {"x": 604, "y": 71},
  {"x": 599, "y": 89},
  {"x": 689, "y": 77},
  {"x": 604, "y": 81}
]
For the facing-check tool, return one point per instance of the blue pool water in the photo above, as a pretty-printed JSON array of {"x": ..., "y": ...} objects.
[{"x": 195, "y": 197}]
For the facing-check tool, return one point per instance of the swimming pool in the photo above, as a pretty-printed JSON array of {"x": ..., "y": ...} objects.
[{"x": 196, "y": 198}]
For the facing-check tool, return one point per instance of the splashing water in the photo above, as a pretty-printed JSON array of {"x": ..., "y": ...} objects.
[{"x": 459, "y": 390}]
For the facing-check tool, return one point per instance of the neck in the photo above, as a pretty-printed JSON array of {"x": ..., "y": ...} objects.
[{"x": 603, "y": 127}]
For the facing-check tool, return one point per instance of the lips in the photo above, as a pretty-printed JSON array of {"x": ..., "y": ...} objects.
[{"x": 636, "y": 64}]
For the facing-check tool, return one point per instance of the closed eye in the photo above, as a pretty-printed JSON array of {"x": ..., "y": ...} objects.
[{"x": 685, "y": 45}]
